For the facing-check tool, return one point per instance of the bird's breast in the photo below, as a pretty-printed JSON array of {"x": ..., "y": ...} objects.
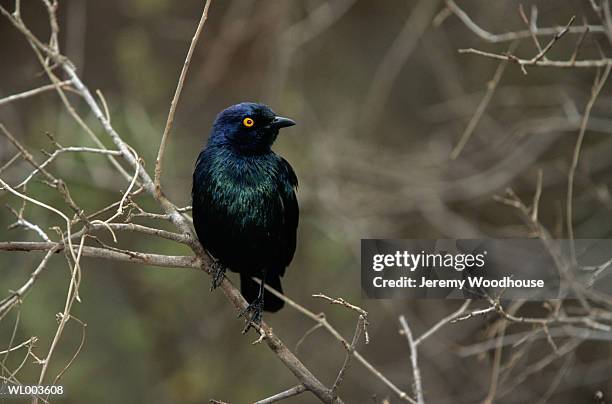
[
  {"x": 238, "y": 210},
  {"x": 244, "y": 192}
]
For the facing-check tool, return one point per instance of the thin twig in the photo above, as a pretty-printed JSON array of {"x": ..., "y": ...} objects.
[
  {"x": 342, "y": 302},
  {"x": 163, "y": 261},
  {"x": 536, "y": 197},
  {"x": 495, "y": 370},
  {"x": 578, "y": 45},
  {"x": 554, "y": 40},
  {"x": 294, "y": 391},
  {"x": 486, "y": 99},
  {"x": 20, "y": 293},
  {"x": 325, "y": 324},
  {"x": 416, "y": 372},
  {"x": 563, "y": 64},
  {"x": 35, "y": 91},
  {"x": 446, "y": 320},
  {"x": 27, "y": 342},
  {"x": 597, "y": 87},
  {"x": 175, "y": 99},
  {"x": 361, "y": 325},
  {"x": 531, "y": 24},
  {"x": 513, "y": 36}
]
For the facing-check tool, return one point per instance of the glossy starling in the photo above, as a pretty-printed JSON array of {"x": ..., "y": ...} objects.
[{"x": 245, "y": 211}]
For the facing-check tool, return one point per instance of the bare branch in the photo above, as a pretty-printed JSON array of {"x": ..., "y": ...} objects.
[
  {"x": 179, "y": 238},
  {"x": 35, "y": 91},
  {"x": 540, "y": 55},
  {"x": 536, "y": 198},
  {"x": 7, "y": 304},
  {"x": 175, "y": 99},
  {"x": 342, "y": 302},
  {"x": 294, "y": 391},
  {"x": 53, "y": 156},
  {"x": 491, "y": 86},
  {"x": 531, "y": 24},
  {"x": 603, "y": 62},
  {"x": 512, "y": 36},
  {"x": 361, "y": 326},
  {"x": 164, "y": 261},
  {"x": 446, "y": 320},
  {"x": 10, "y": 162},
  {"x": 416, "y": 372},
  {"x": 325, "y": 324},
  {"x": 28, "y": 225},
  {"x": 597, "y": 87}
]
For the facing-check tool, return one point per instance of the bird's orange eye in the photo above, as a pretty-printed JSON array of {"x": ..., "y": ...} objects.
[{"x": 248, "y": 122}]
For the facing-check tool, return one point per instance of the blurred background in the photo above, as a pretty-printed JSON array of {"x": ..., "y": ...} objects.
[{"x": 381, "y": 97}]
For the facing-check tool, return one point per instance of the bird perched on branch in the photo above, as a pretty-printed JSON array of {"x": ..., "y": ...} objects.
[{"x": 245, "y": 211}]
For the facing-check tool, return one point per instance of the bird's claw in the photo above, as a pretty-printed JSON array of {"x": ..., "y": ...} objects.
[
  {"x": 256, "y": 307},
  {"x": 218, "y": 273}
]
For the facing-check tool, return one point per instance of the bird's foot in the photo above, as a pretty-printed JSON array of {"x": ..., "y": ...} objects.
[
  {"x": 218, "y": 273},
  {"x": 256, "y": 308}
]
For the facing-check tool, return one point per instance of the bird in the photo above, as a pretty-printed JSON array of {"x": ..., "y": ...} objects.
[{"x": 244, "y": 205}]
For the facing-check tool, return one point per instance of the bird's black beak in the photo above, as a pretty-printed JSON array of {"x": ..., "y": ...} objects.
[{"x": 280, "y": 122}]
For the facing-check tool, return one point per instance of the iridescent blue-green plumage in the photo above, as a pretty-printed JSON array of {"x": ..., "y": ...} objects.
[{"x": 245, "y": 211}]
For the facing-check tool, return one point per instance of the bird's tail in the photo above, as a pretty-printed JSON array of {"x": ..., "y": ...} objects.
[{"x": 250, "y": 290}]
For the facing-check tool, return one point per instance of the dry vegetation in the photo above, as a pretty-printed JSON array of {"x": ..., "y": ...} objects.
[{"x": 477, "y": 145}]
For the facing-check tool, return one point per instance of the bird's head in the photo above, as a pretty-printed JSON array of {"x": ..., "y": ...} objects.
[{"x": 248, "y": 127}]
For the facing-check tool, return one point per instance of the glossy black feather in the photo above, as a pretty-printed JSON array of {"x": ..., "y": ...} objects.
[{"x": 245, "y": 210}]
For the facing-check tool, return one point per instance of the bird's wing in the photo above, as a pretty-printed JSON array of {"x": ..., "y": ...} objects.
[{"x": 291, "y": 213}]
